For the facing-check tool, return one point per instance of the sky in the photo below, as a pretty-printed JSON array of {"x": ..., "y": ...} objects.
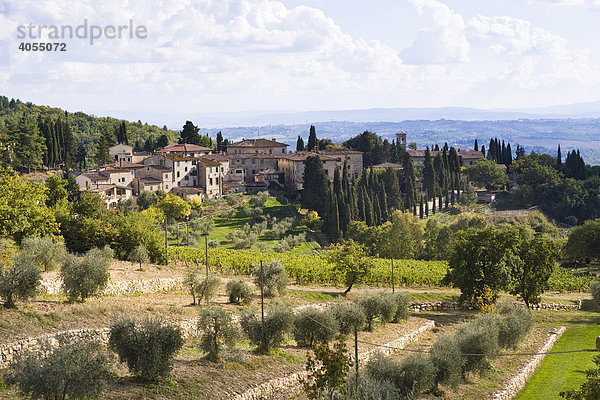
[{"x": 205, "y": 56}]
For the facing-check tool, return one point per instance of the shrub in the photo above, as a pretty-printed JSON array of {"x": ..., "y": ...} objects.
[
  {"x": 447, "y": 360},
  {"x": 86, "y": 277},
  {"x": 370, "y": 388},
  {"x": 348, "y": 316},
  {"x": 139, "y": 255},
  {"x": 46, "y": 253},
  {"x": 377, "y": 305},
  {"x": 402, "y": 302},
  {"x": 148, "y": 347},
  {"x": 312, "y": 326},
  {"x": 217, "y": 330},
  {"x": 383, "y": 369},
  {"x": 259, "y": 199},
  {"x": 417, "y": 375},
  {"x": 478, "y": 337},
  {"x": 74, "y": 370},
  {"x": 596, "y": 291},
  {"x": 513, "y": 324},
  {"x": 274, "y": 277},
  {"x": 214, "y": 243},
  {"x": 19, "y": 282},
  {"x": 238, "y": 291},
  {"x": 208, "y": 288},
  {"x": 328, "y": 371},
  {"x": 192, "y": 281},
  {"x": 279, "y": 321}
]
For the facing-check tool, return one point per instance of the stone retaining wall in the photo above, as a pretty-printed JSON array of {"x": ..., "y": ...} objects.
[
  {"x": 453, "y": 305},
  {"x": 291, "y": 383},
  {"x": 125, "y": 287},
  {"x": 517, "y": 383}
]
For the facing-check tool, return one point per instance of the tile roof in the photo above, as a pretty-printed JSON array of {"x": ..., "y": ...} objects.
[
  {"x": 182, "y": 148},
  {"x": 257, "y": 143},
  {"x": 208, "y": 161},
  {"x": 303, "y": 155},
  {"x": 388, "y": 165}
]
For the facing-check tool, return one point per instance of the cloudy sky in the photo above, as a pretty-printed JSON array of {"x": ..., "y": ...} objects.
[{"x": 230, "y": 55}]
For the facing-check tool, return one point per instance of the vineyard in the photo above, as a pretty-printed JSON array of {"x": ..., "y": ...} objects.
[{"x": 315, "y": 268}]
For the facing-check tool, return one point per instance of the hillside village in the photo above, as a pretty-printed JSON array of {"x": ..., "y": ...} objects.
[{"x": 247, "y": 166}]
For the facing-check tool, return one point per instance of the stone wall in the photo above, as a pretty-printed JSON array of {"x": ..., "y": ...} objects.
[
  {"x": 291, "y": 383},
  {"x": 125, "y": 287},
  {"x": 517, "y": 383},
  {"x": 453, "y": 305}
]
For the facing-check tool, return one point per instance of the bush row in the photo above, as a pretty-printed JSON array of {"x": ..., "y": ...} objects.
[{"x": 448, "y": 361}]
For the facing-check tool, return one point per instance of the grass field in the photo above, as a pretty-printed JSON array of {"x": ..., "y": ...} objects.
[{"x": 563, "y": 371}]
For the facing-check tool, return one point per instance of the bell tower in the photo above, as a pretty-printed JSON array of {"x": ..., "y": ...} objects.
[{"x": 401, "y": 139}]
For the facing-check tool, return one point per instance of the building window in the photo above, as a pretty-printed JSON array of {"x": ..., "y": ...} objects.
[
  {"x": 167, "y": 187},
  {"x": 243, "y": 162},
  {"x": 185, "y": 169},
  {"x": 187, "y": 178},
  {"x": 283, "y": 151},
  {"x": 210, "y": 181},
  {"x": 178, "y": 163},
  {"x": 209, "y": 169},
  {"x": 238, "y": 171},
  {"x": 178, "y": 174},
  {"x": 270, "y": 151},
  {"x": 253, "y": 161}
]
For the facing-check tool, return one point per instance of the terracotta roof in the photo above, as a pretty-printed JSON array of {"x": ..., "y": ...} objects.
[
  {"x": 182, "y": 148},
  {"x": 257, "y": 143},
  {"x": 96, "y": 176},
  {"x": 217, "y": 157},
  {"x": 159, "y": 167},
  {"x": 142, "y": 153},
  {"x": 268, "y": 171},
  {"x": 339, "y": 151},
  {"x": 209, "y": 162}
]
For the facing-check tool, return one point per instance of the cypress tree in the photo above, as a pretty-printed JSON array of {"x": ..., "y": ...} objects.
[
  {"x": 410, "y": 182},
  {"x": 426, "y": 208},
  {"x": 483, "y": 150},
  {"x": 345, "y": 183},
  {"x": 509, "y": 156},
  {"x": 361, "y": 215},
  {"x": 315, "y": 186},
  {"x": 476, "y": 146},
  {"x": 559, "y": 157},
  {"x": 312, "y": 139},
  {"x": 337, "y": 182},
  {"x": 421, "y": 209},
  {"x": 300, "y": 144},
  {"x": 353, "y": 205},
  {"x": 429, "y": 178}
]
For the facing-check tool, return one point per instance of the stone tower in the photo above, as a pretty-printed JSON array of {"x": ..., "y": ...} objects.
[{"x": 401, "y": 139}]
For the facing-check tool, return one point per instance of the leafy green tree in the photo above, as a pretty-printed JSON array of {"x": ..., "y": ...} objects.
[
  {"x": 582, "y": 244},
  {"x": 279, "y": 321},
  {"x": 447, "y": 360},
  {"x": 530, "y": 276},
  {"x": 88, "y": 276},
  {"x": 192, "y": 281},
  {"x": 29, "y": 144},
  {"x": 73, "y": 370},
  {"x": 485, "y": 173},
  {"x": 57, "y": 190},
  {"x": 483, "y": 259},
  {"x": 208, "y": 288},
  {"x": 350, "y": 262},
  {"x": 140, "y": 256},
  {"x": 217, "y": 329},
  {"x": 19, "y": 281},
  {"x": 135, "y": 231},
  {"x": 190, "y": 134},
  {"x": 147, "y": 199},
  {"x": 23, "y": 210},
  {"x": 403, "y": 238},
  {"x": 274, "y": 278},
  {"x": 328, "y": 371},
  {"x": 174, "y": 207},
  {"x": 238, "y": 291},
  {"x": 148, "y": 347},
  {"x": 46, "y": 253},
  {"x": 349, "y": 316},
  {"x": 313, "y": 326}
]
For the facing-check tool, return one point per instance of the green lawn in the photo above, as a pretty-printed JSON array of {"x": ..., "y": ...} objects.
[{"x": 563, "y": 371}]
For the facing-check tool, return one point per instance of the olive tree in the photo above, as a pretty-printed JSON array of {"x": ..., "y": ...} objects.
[
  {"x": 19, "y": 281},
  {"x": 217, "y": 329},
  {"x": 73, "y": 370},
  {"x": 83, "y": 278}
]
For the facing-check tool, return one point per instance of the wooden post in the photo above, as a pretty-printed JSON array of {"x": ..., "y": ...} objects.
[
  {"x": 187, "y": 231},
  {"x": 262, "y": 308},
  {"x": 166, "y": 241},
  {"x": 356, "y": 355},
  {"x": 393, "y": 287},
  {"x": 206, "y": 252}
]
